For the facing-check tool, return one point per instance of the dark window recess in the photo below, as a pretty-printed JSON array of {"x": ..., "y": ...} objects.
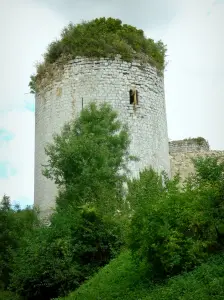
[{"x": 133, "y": 97}]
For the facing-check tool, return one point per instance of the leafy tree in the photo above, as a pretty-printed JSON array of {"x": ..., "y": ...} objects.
[
  {"x": 172, "y": 229},
  {"x": 5, "y": 203},
  {"x": 55, "y": 260},
  {"x": 14, "y": 222},
  {"x": 88, "y": 163},
  {"x": 88, "y": 160},
  {"x": 209, "y": 179},
  {"x": 209, "y": 169}
]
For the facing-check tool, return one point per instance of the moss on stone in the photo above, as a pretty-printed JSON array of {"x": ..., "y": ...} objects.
[{"x": 100, "y": 38}]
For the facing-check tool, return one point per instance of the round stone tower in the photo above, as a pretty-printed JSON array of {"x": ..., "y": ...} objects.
[{"x": 134, "y": 91}]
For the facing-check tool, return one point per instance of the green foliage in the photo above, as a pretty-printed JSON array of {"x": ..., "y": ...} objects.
[
  {"x": 209, "y": 180},
  {"x": 57, "y": 259},
  {"x": 14, "y": 222},
  {"x": 102, "y": 38},
  {"x": 199, "y": 140},
  {"x": 209, "y": 169},
  {"x": 7, "y": 295},
  {"x": 171, "y": 230},
  {"x": 121, "y": 279},
  {"x": 205, "y": 283},
  {"x": 88, "y": 160}
]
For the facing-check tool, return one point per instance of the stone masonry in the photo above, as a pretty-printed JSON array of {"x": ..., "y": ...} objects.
[
  {"x": 182, "y": 152},
  {"x": 83, "y": 81},
  {"x": 188, "y": 145}
]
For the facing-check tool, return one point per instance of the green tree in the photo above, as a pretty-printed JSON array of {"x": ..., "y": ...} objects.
[
  {"x": 172, "y": 229},
  {"x": 14, "y": 222},
  {"x": 209, "y": 179},
  {"x": 88, "y": 160},
  {"x": 209, "y": 169},
  {"x": 55, "y": 260}
]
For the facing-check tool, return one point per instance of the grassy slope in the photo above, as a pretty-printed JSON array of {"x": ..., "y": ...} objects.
[{"x": 121, "y": 280}]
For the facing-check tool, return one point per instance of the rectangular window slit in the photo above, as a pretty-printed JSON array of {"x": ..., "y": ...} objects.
[{"x": 133, "y": 94}]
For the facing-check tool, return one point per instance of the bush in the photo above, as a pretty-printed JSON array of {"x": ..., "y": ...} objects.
[
  {"x": 204, "y": 283},
  {"x": 14, "y": 223},
  {"x": 57, "y": 259},
  {"x": 209, "y": 179},
  {"x": 101, "y": 38},
  {"x": 85, "y": 161},
  {"x": 6, "y": 295},
  {"x": 172, "y": 230}
]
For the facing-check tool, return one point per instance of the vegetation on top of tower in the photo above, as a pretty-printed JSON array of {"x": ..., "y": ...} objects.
[{"x": 101, "y": 38}]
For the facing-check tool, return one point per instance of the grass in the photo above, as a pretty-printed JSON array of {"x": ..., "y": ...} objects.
[{"x": 122, "y": 280}]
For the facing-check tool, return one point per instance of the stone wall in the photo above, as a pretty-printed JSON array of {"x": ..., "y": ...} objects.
[
  {"x": 83, "y": 81},
  {"x": 182, "y": 163},
  {"x": 189, "y": 145}
]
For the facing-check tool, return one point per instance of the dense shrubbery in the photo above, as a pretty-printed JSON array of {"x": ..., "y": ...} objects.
[
  {"x": 174, "y": 229},
  {"x": 57, "y": 259},
  {"x": 167, "y": 228},
  {"x": 102, "y": 38},
  {"x": 14, "y": 222},
  {"x": 85, "y": 162}
]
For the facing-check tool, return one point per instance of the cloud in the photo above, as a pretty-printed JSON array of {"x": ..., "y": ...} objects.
[
  {"x": 30, "y": 104},
  {"x": 143, "y": 13},
  {"x": 194, "y": 80},
  {"x": 22, "y": 201},
  {"x": 216, "y": 2},
  {"x": 6, "y": 136},
  {"x": 19, "y": 154},
  {"x": 26, "y": 39},
  {"x": 6, "y": 170},
  {"x": 32, "y": 28}
]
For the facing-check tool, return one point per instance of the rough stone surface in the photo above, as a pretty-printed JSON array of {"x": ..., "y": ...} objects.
[
  {"x": 182, "y": 162},
  {"x": 109, "y": 81},
  {"x": 188, "y": 145}
]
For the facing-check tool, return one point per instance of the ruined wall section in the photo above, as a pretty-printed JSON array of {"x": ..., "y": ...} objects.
[
  {"x": 83, "y": 81},
  {"x": 189, "y": 145},
  {"x": 182, "y": 163}
]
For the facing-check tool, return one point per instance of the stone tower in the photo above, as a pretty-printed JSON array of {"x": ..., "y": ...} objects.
[{"x": 136, "y": 92}]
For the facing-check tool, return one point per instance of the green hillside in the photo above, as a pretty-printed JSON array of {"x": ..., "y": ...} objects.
[{"x": 121, "y": 280}]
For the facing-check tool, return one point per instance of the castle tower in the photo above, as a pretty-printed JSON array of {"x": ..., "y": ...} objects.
[{"x": 135, "y": 92}]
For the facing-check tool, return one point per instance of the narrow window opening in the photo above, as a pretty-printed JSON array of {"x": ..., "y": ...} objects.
[{"x": 133, "y": 97}]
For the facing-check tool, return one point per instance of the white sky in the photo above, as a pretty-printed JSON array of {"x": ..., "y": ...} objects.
[{"x": 193, "y": 31}]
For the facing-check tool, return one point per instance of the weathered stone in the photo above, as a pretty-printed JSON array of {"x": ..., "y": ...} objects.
[
  {"x": 182, "y": 162},
  {"x": 94, "y": 81}
]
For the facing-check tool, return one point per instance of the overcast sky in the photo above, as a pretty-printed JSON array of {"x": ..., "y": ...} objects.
[{"x": 192, "y": 29}]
